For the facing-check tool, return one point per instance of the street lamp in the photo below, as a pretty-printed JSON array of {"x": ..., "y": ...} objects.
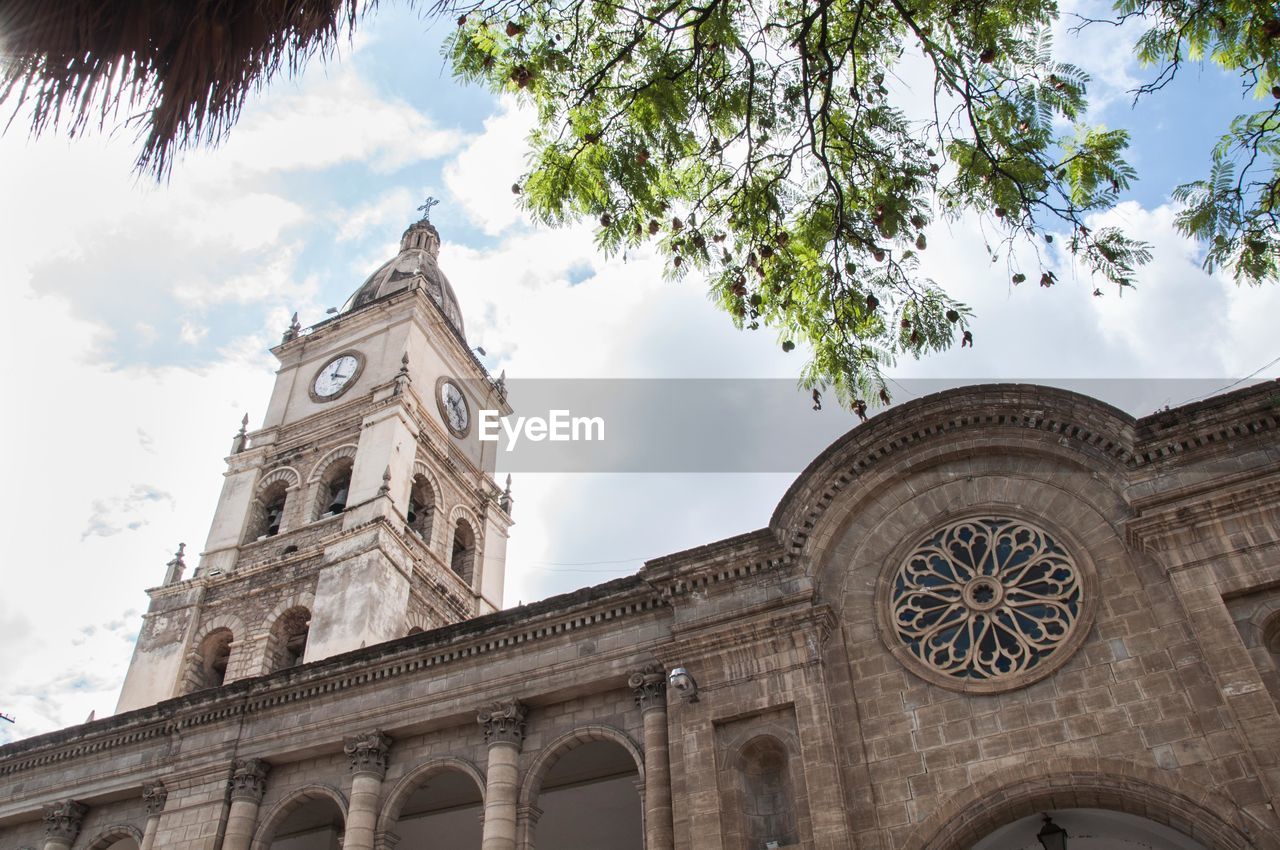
[
  {"x": 1052, "y": 836},
  {"x": 684, "y": 683}
]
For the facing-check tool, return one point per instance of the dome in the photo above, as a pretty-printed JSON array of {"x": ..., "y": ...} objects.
[{"x": 415, "y": 267}]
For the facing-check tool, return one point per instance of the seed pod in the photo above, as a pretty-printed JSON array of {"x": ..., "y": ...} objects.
[
  {"x": 1019, "y": 278},
  {"x": 1048, "y": 238},
  {"x": 642, "y": 156},
  {"x": 999, "y": 212},
  {"x": 987, "y": 56},
  {"x": 677, "y": 225},
  {"x": 653, "y": 226},
  {"x": 953, "y": 316},
  {"x": 921, "y": 242},
  {"x": 878, "y": 254},
  {"x": 606, "y": 220},
  {"x": 788, "y": 345},
  {"x": 677, "y": 261},
  {"x": 872, "y": 302},
  {"x": 515, "y": 189},
  {"x": 514, "y": 29},
  {"x": 917, "y": 221},
  {"x": 592, "y": 138},
  {"x": 462, "y": 20}
]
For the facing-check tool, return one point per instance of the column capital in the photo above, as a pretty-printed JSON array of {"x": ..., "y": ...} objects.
[
  {"x": 503, "y": 721},
  {"x": 154, "y": 794},
  {"x": 650, "y": 687},
  {"x": 369, "y": 752},
  {"x": 249, "y": 779},
  {"x": 62, "y": 819}
]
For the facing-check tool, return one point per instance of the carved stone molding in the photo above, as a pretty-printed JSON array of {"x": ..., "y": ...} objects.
[
  {"x": 249, "y": 779},
  {"x": 62, "y": 819},
  {"x": 154, "y": 794},
  {"x": 503, "y": 721},
  {"x": 369, "y": 752},
  {"x": 650, "y": 687}
]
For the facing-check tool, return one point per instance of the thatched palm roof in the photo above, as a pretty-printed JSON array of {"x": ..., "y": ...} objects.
[{"x": 177, "y": 70}]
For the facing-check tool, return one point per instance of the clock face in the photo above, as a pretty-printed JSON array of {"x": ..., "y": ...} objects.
[
  {"x": 453, "y": 407},
  {"x": 336, "y": 376}
]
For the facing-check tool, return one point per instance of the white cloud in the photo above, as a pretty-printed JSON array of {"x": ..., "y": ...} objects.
[
  {"x": 327, "y": 120},
  {"x": 481, "y": 176}
]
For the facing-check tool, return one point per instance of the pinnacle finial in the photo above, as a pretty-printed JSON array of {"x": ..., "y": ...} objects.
[
  {"x": 505, "y": 500},
  {"x": 386, "y": 482},
  {"x": 426, "y": 207},
  {"x": 295, "y": 328}
]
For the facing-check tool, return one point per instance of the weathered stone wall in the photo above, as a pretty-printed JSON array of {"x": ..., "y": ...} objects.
[{"x": 1161, "y": 701}]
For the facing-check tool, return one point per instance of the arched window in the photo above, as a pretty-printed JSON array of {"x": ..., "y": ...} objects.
[
  {"x": 768, "y": 802},
  {"x": 288, "y": 644},
  {"x": 334, "y": 488},
  {"x": 422, "y": 507},
  {"x": 464, "y": 550},
  {"x": 268, "y": 511},
  {"x": 211, "y": 660}
]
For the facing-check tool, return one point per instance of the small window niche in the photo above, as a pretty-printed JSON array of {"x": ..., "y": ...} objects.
[
  {"x": 288, "y": 645},
  {"x": 422, "y": 507},
  {"x": 335, "y": 487},
  {"x": 463, "y": 557}
]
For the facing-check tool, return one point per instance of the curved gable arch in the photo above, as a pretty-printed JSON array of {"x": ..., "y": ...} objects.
[
  {"x": 463, "y": 512},
  {"x": 116, "y": 832},
  {"x": 414, "y": 780},
  {"x": 287, "y": 474},
  {"x": 1018, "y": 418},
  {"x": 552, "y": 752},
  {"x": 223, "y": 621},
  {"x": 1176, "y": 801},
  {"x": 344, "y": 451},
  {"x": 420, "y": 468},
  {"x": 288, "y": 805},
  {"x": 302, "y": 599}
]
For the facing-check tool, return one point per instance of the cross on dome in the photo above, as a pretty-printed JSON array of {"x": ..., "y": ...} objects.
[{"x": 426, "y": 207}]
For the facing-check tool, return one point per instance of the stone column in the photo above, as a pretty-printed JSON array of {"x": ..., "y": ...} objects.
[
  {"x": 369, "y": 754},
  {"x": 650, "y": 686},
  {"x": 154, "y": 794},
  {"x": 503, "y": 722},
  {"x": 62, "y": 823},
  {"x": 248, "y": 783}
]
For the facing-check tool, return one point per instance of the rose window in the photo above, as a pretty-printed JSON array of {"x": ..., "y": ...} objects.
[{"x": 985, "y": 599}]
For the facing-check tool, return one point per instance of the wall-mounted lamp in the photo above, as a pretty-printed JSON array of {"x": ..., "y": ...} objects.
[
  {"x": 1052, "y": 836},
  {"x": 684, "y": 683}
]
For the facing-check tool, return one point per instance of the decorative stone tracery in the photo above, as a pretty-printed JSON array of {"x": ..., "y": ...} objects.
[
  {"x": 650, "y": 687},
  {"x": 155, "y": 795},
  {"x": 986, "y": 600},
  {"x": 503, "y": 721},
  {"x": 249, "y": 779},
  {"x": 369, "y": 752},
  {"x": 62, "y": 820}
]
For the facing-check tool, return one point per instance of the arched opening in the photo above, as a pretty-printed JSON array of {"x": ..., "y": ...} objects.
[
  {"x": 463, "y": 558},
  {"x": 1271, "y": 643},
  {"x": 1090, "y": 829},
  {"x": 416, "y": 630},
  {"x": 212, "y": 657},
  {"x": 268, "y": 511},
  {"x": 315, "y": 824},
  {"x": 288, "y": 644},
  {"x": 120, "y": 837},
  {"x": 422, "y": 507},
  {"x": 766, "y": 799},
  {"x": 444, "y": 812},
  {"x": 589, "y": 798},
  {"x": 980, "y": 811},
  {"x": 335, "y": 485}
]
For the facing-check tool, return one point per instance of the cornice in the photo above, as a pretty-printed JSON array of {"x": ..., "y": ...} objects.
[
  {"x": 1158, "y": 518},
  {"x": 1094, "y": 429},
  {"x": 505, "y": 631}
]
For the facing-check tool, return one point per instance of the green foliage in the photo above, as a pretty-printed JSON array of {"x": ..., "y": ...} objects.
[
  {"x": 766, "y": 147},
  {"x": 1234, "y": 209}
]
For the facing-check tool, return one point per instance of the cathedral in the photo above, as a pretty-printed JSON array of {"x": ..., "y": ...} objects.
[{"x": 1002, "y": 617}]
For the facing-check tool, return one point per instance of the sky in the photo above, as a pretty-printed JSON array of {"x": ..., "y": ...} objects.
[{"x": 139, "y": 318}]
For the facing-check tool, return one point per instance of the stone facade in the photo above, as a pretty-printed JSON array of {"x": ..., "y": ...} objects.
[
  {"x": 978, "y": 606},
  {"x": 1165, "y": 708}
]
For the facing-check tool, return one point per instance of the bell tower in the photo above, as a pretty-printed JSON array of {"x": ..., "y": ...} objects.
[{"x": 363, "y": 509}]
